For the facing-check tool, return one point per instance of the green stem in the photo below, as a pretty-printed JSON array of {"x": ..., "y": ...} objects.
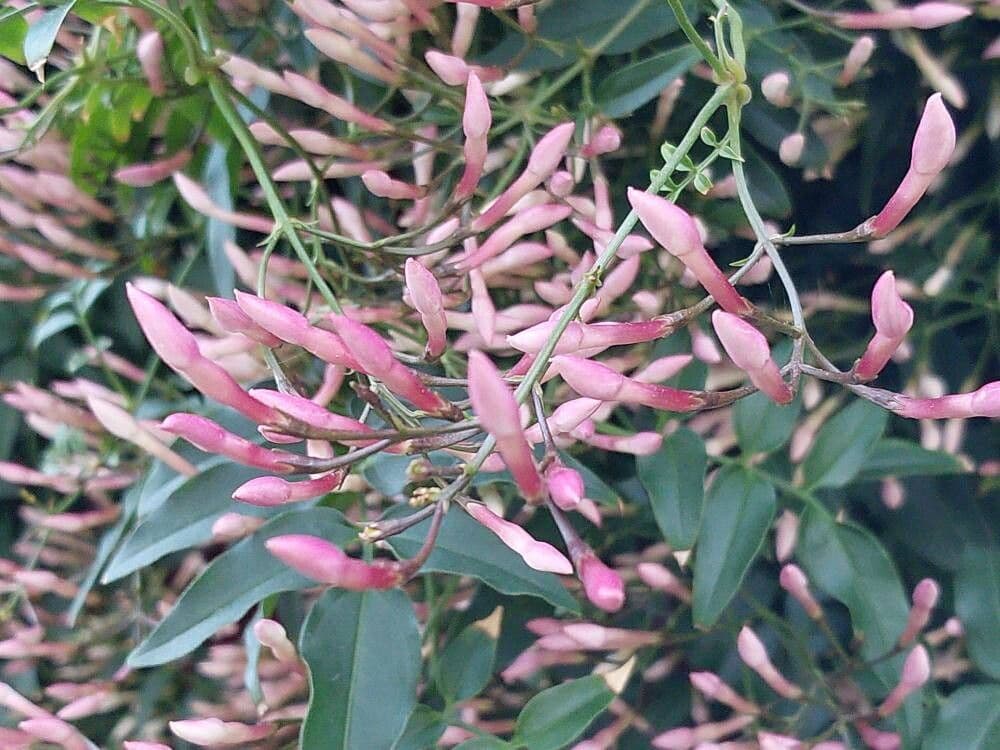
[{"x": 695, "y": 38}]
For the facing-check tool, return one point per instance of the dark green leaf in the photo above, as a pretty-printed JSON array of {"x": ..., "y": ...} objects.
[
  {"x": 850, "y": 564},
  {"x": 216, "y": 179},
  {"x": 185, "y": 519},
  {"x": 422, "y": 731},
  {"x": 766, "y": 186},
  {"x": 466, "y": 548},
  {"x": 557, "y": 716},
  {"x": 628, "y": 88},
  {"x": 50, "y": 326},
  {"x": 235, "y": 581},
  {"x": 42, "y": 35},
  {"x": 363, "y": 654},
  {"x": 977, "y": 604},
  {"x": 19, "y": 368},
  {"x": 969, "y": 719},
  {"x": 738, "y": 512},
  {"x": 763, "y": 426},
  {"x": 466, "y": 664},
  {"x": 484, "y": 743},
  {"x": 674, "y": 480},
  {"x": 843, "y": 445},
  {"x": 902, "y": 458}
]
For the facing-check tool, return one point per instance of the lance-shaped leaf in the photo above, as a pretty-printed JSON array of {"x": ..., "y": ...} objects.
[{"x": 674, "y": 478}]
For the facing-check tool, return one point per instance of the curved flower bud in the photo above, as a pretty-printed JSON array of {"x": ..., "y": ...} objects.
[
  {"x": 714, "y": 688},
  {"x": 538, "y": 555},
  {"x": 604, "y": 587},
  {"x": 494, "y": 404},
  {"x": 588, "y": 336},
  {"x": 325, "y": 562},
  {"x": 916, "y": 671},
  {"x": 270, "y": 491},
  {"x": 676, "y": 231},
  {"x": 754, "y": 655},
  {"x": 933, "y": 145},
  {"x": 795, "y": 582},
  {"x": 893, "y": 319},
  {"x": 659, "y": 578},
  {"x": 205, "y": 732},
  {"x": 529, "y": 220},
  {"x": 749, "y": 350},
  {"x": 211, "y": 438},
  {"x": 425, "y": 296},
  {"x": 594, "y": 380},
  {"x": 565, "y": 486}
]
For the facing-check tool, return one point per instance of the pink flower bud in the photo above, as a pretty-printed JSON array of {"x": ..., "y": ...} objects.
[
  {"x": 425, "y": 295},
  {"x": 921, "y": 16},
  {"x": 198, "y": 198},
  {"x": 483, "y": 312},
  {"x": 149, "y": 173},
  {"x": 325, "y": 562},
  {"x": 857, "y": 57},
  {"x": 317, "y": 96},
  {"x": 121, "y": 424},
  {"x": 749, "y": 350},
  {"x": 271, "y": 634},
  {"x": 204, "y": 732},
  {"x": 876, "y": 739},
  {"x": 676, "y": 231},
  {"x": 454, "y": 71},
  {"x": 754, "y": 655},
  {"x": 795, "y": 582},
  {"x": 270, "y": 491},
  {"x": 893, "y": 319},
  {"x": 594, "y": 380},
  {"x": 659, "y": 578},
  {"x": 604, "y": 141},
  {"x": 925, "y": 597},
  {"x": 565, "y": 486},
  {"x": 771, "y": 741},
  {"x": 538, "y": 555},
  {"x": 561, "y": 183},
  {"x": 984, "y": 402},
  {"x": 639, "y": 444},
  {"x": 525, "y": 222},
  {"x": 476, "y": 122},
  {"x": 685, "y": 737},
  {"x": 933, "y": 145},
  {"x": 56, "y": 731},
  {"x": 149, "y": 50},
  {"x": 139, "y": 745},
  {"x": 790, "y": 149},
  {"x": 211, "y": 438},
  {"x": 348, "y": 51},
  {"x": 663, "y": 368},
  {"x": 774, "y": 87},
  {"x": 603, "y": 586},
  {"x": 712, "y": 687},
  {"x": 231, "y": 318},
  {"x": 588, "y": 336},
  {"x": 916, "y": 671},
  {"x": 381, "y": 184},
  {"x": 542, "y": 162}
]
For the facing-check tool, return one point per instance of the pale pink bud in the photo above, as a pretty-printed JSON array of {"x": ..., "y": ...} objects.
[
  {"x": 16, "y": 702},
  {"x": 211, "y": 438},
  {"x": 771, "y": 741},
  {"x": 121, "y": 424},
  {"x": 686, "y": 737},
  {"x": 876, "y": 739},
  {"x": 754, "y": 655},
  {"x": 604, "y": 141},
  {"x": 149, "y": 50},
  {"x": 676, "y": 231},
  {"x": 530, "y": 220},
  {"x": 483, "y": 312},
  {"x": 857, "y": 57},
  {"x": 760, "y": 272},
  {"x": 325, "y": 562},
  {"x": 269, "y": 491},
  {"x": 795, "y": 582},
  {"x": 197, "y": 197},
  {"x": 933, "y": 145},
  {"x": 317, "y": 96},
  {"x": 312, "y": 413},
  {"x": 663, "y": 368},
  {"x": 703, "y": 346},
  {"x": 659, "y": 578},
  {"x": 916, "y": 671},
  {"x": 638, "y": 444},
  {"x": 984, "y": 402},
  {"x": 139, "y": 745},
  {"x": 893, "y": 319},
  {"x": 538, "y": 555},
  {"x": 454, "y": 71},
  {"x": 594, "y": 380},
  {"x": 425, "y": 295},
  {"x": 790, "y": 149},
  {"x": 476, "y": 122},
  {"x": 204, "y": 732},
  {"x": 921, "y": 16},
  {"x": 992, "y": 51},
  {"x": 565, "y": 486},
  {"x": 603, "y": 586},
  {"x": 588, "y": 336},
  {"x": 149, "y": 173},
  {"x": 348, "y": 51},
  {"x": 774, "y": 87},
  {"x": 749, "y": 350},
  {"x": 230, "y": 527},
  {"x": 925, "y": 597},
  {"x": 542, "y": 162},
  {"x": 561, "y": 183},
  {"x": 786, "y": 535},
  {"x": 56, "y": 731},
  {"x": 712, "y": 687},
  {"x": 271, "y": 634},
  {"x": 893, "y": 493},
  {"x": 381, "y": 184}
]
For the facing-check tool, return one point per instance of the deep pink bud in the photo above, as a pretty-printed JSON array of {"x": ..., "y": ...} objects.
[
  {"x": 205, "y": 732},
  {"x": 749, "y": 350},
  {"x": 425, "y": 296},
  {"x": 494, "y": 404},
  {"x": 594, "y": 380},
  {"x": 538, "y": 555},
  {"x": 933, "y": 145},
  {"x": 893, "y": 319},
  {"x": 325, "y": 562},
  {"x": 211, "y": 438},
  {"x": 231, "y": 318},
  {"x": 530, "y": 220},
  {"x": 604, "y": 141},
  {"x": 269, "y": 491},
  {"x": 565, "y": 486},
  {"x": 676, "y": 231},
  {"x": 603, "y": 586},
  {"x": 925, "y": 597},
  {"x": 588, "y": 336},
  {"x": 921, "y": 16},
  {"x": 149, "y": 173},
  {"x": 916, "y": 671}
]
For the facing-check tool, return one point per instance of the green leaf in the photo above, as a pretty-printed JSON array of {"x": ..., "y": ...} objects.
[
  {"x": 484, "y": 743},
  {"x": 42, "y": 35},
  {"x": 466, "y": 664},
  {"x": 19, "y": 368},
  {"x": 465, "y": 548},
  {"x": 557, "y": 716},
  {"x": 363, "y": 654},
  {"x": 674, "y": 480},
  {"x": 763, "y": 426},
  {"x": 217, "y": 183},
  {"x": 969, "y": 719},
  {"x": 422, "y": 730},
  {"x": 766, "y": 186},
  {"x": 977, "y": 604},
  {"x": 843, "y": 445},
  {"x": 233, "y": 582},
  {"x": 850, "y": 564},
  {"x": 185, "y": 518},
  {"x": 13, "y": 29},
  {"x": 55, "y": 323},
  {"x": 628, "y": 88},
  {"x": 738, "y": 512},
  {"x": 902, "y": 458}
]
